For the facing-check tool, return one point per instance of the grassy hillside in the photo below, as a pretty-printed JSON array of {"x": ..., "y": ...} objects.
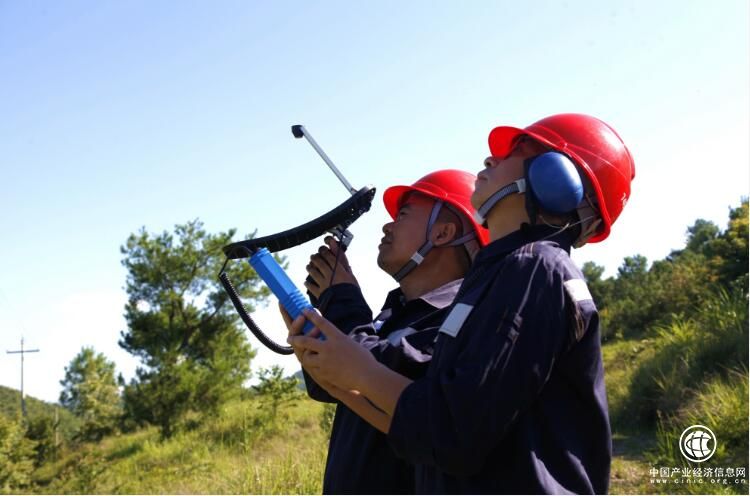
[
  {"x": 233, "y": 454},
  {"x": 241, "y": 452},
  {"x": 10, "y": 406},
  {"x": 688, "y": 372}
]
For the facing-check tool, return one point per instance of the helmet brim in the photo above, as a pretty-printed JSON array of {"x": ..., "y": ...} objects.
[
  {"x": 501, "y": 140},
  {"x": 392, "y": 198}
]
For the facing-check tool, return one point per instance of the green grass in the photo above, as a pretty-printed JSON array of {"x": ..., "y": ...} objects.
[
  {"x": 622, "y": 359},
  {"x": 685, "y": 373},
  {"x": 231, "y": 455},
  {"x": 721, "y": 404},
  {"x": 630, "y": 440}
]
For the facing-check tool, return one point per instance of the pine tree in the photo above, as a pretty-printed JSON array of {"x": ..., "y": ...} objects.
[
  {"x": 90, "y": 392},
  {"x": 182, "y": 325}
]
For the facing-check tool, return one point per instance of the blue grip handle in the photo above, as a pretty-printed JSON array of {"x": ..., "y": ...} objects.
[{"x": 281, "y": 286}]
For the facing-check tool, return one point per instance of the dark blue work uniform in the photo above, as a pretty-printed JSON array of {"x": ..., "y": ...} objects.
[
  {"x": 360, "y": 460},
  {"x": 514, "y": 398}
]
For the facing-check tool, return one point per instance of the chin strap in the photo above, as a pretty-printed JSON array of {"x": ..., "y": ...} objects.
[
  {"x": 419, "y": 255},
  {"x": 480, "y": 215}
]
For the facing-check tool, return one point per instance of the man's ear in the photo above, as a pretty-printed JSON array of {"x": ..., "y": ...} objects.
[{"x": 443, "y": 233}]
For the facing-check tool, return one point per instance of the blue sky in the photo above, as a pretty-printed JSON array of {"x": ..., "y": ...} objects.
[{"x": 118, "y": 115}]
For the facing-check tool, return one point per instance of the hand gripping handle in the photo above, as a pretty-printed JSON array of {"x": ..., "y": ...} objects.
[{"x": 281, "y": 286}]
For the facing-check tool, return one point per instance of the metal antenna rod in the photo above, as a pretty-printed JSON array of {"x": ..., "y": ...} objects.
[
  {"x": 299, "y": 131},
  {"x": 22, "y": 352}
]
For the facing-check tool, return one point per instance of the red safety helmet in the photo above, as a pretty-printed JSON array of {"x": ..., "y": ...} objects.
[
  {"x": 596, "y": 149},
  {"x": 453, "y": 187}
]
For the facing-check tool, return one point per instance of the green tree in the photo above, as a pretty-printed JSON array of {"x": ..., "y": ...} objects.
[
  {"x": 600, "y": 288},
  {"x": 681, "y": 285},
  {"x": 16, "y": 456},
  {"x": 642, "y": 297},
  {"x": 90, "y": 392},
  {"x": 275, "y": 390},
  {"x": 41, "y": 429},
  {"x": 633, "y": 268},
  {"x": 182, "y": 325},
  {"x": 699, "y": 234},
  {"x": 730, "y": 249},
  {"x": 629, "y": 304}
]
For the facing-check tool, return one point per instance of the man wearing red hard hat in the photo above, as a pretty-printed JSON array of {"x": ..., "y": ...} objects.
[
  {"x": 513, "y": 400},
  {"x": 427, "y": 248}
]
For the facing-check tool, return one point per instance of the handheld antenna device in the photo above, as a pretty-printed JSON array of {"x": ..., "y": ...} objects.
[{"x": 258, "y": 250}]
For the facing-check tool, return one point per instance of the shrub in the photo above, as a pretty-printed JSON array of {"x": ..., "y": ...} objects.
[
  {"x": 721, "y": 405},
  {"x": 16, "y": 456},
  {"x": 690, "y": 352},
  {"x": 326, "y": 418}
]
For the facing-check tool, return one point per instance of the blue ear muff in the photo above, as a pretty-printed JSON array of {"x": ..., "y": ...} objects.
[{"x": 555, "y": 183}]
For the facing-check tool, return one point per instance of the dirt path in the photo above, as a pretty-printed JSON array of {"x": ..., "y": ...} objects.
[{"x": 629, "y": 465}]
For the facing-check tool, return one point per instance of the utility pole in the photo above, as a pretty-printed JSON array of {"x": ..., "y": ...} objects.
[{"x": 22, "y": 352}]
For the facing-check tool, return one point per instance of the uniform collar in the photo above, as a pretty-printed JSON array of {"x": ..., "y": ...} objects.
[
  {"x": 439, "y": 297},
  {"x": 444, "y": 295},
  {"x": 527, "y": 234}
]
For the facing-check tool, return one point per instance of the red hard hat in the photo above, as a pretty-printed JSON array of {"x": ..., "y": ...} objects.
[
  {"x": 596, "y": 149},
  {"x": 454, "y": 187}
]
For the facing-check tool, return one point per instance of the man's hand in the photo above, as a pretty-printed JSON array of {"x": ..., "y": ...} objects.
[
  {"x": 321, "y": 268},
  {"x": 347, "y": 370},
  {"x": 338, "y": 361},
  {"x": 294, "y": 327}
]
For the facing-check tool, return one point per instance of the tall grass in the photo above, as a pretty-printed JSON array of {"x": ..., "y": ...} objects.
[
  {"x": 692, "y": 371},
  {"x": 689, "y": 352},
  {"x": 234, "y": 453},
  {"x": 721, "y": 404}
]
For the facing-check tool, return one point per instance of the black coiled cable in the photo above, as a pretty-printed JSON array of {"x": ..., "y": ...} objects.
[
  {"x": 250, "y": 323},
  {"x": 337, "y": 219},
  {"x": 262, "y": 337}
]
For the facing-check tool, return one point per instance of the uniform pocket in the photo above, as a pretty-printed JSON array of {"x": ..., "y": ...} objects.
[{"x": 506, "y": 335}]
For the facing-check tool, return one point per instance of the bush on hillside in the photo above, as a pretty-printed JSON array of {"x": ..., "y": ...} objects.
[
  {"x": 16, "y": 456},
  {"x": 41, "y": 429},
  {"x": 275, "y": 390},
  {"x": 689, "y": 352},
  {"x": 721, "y": 405}
]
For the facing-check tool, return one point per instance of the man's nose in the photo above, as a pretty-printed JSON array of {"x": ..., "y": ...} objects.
[{"x": 387, "y": 227}]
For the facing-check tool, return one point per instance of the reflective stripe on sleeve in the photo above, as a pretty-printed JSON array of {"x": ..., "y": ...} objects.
[
  {"x": 455, "y": 320},
  {"x": 578, "y": 290}
]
